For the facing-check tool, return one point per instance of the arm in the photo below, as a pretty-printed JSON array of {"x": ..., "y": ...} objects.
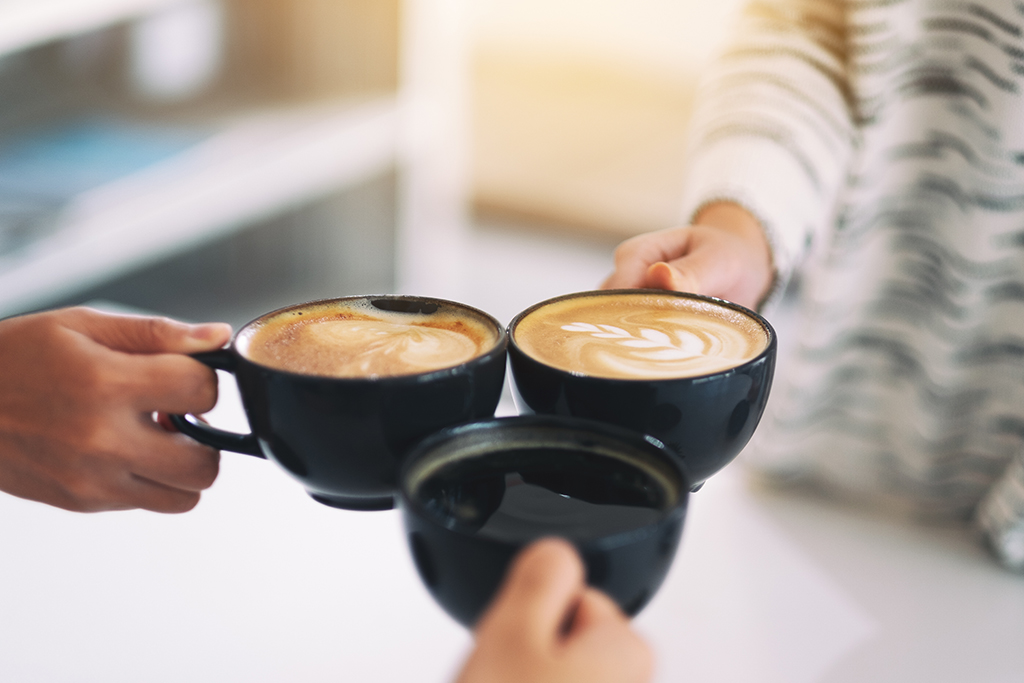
[
  {"x": 547, "y": 626},
  {"x": 771, "y": 137},
  {"x": 78, "y": 391}
]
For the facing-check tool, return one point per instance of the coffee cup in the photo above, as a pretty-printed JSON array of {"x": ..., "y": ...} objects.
[
  {"x": 336, "y": 391},
  {"x": 692, "y": 371},
  {"x": 472, "y": 496}
]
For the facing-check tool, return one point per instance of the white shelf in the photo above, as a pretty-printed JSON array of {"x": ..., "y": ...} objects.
[
  {"x": 256, "y": 167},
  {"x": 25, "y": 23}
]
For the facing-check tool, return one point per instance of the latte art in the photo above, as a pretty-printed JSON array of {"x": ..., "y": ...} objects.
[
  {"x": 359, "y": 341},
  {"x": 373, "y": 348},
  {"x": 640, "y": 336}
]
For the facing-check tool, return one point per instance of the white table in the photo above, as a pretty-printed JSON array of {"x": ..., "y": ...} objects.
[{"x": 259, "y": 583}]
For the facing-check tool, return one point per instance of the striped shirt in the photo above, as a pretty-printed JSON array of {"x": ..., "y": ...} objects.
[{"x": 881, "y": 145}]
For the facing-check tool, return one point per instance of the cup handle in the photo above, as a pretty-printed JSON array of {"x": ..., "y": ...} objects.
[{"x": 222, "y": 440}]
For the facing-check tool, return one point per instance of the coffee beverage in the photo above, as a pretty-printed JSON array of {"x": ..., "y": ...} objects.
[
  {"x": 357, "y": 339},
  {"x": 518, "y": 494},
  {"x": 476, "y": 494},
  {"x": 640, "y": 335}
]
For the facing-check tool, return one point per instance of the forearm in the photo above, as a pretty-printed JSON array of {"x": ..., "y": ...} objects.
[{"x": 774, "y": 129}]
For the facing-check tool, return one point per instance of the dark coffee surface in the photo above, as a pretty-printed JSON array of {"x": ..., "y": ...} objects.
[{"x": 522, "y": 494}]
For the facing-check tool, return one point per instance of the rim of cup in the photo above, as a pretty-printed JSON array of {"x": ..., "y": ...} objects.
[{"x": 635, "y": 440}]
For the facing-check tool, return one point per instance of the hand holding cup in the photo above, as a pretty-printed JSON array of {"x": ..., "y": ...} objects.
[{"x": 547, "y": 626}]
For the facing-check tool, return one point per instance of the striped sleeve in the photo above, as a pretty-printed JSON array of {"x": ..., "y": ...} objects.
[
  {"x": 1001, "y": 516},
  {"x": 773, "y": 129}
]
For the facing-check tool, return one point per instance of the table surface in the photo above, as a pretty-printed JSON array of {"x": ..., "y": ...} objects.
[{"x": 260, "y": 583}]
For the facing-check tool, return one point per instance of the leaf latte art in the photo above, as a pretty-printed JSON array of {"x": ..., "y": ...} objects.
[{"x": 640, "y": 336}]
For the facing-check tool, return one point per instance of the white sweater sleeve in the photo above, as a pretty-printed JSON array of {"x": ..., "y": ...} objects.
[{"x": 774, "y": 126}]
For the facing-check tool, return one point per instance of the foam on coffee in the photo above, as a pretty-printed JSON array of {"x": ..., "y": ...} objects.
[
  {"x": 639, "y": 336},
  {"x": 355, "y": 339}
]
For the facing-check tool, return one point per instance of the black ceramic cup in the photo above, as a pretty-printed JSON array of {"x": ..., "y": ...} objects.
[
  {"x": 344, "y": 438},
  {"x": 707, "y": 419},
  {"x": 474, "y": 495}
]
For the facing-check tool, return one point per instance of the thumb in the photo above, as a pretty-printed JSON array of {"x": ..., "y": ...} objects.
[
  {"x": 540, "y": 592},
  {"x": 601, "y": 635},
  {"x": 145, "y": 334},
  {"x": 676, "y": 278},
  {"x": 596, "y": 609}
]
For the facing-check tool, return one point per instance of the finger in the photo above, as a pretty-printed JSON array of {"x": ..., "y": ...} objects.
[
  {"x": 170, "y": 459},
  {"x": 143, "y": 334},
  {"x": 663, "y": 275},
  {"x": 698, "y": 273},
  {"x": 167, "y": 383},
  {"x": 540, "y": 590},
  {"x": 595, "y": 609},
  {"x": 143, "y": 494},
  {"x": 109, "y": 483},
  {"x": 702, "y": 271},
  {"x": 601, "y": 634},
  {"x": 634, "y": 256}
]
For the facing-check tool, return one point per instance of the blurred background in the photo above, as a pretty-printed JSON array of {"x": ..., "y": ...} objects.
[{"x": 214, "y": 159}]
